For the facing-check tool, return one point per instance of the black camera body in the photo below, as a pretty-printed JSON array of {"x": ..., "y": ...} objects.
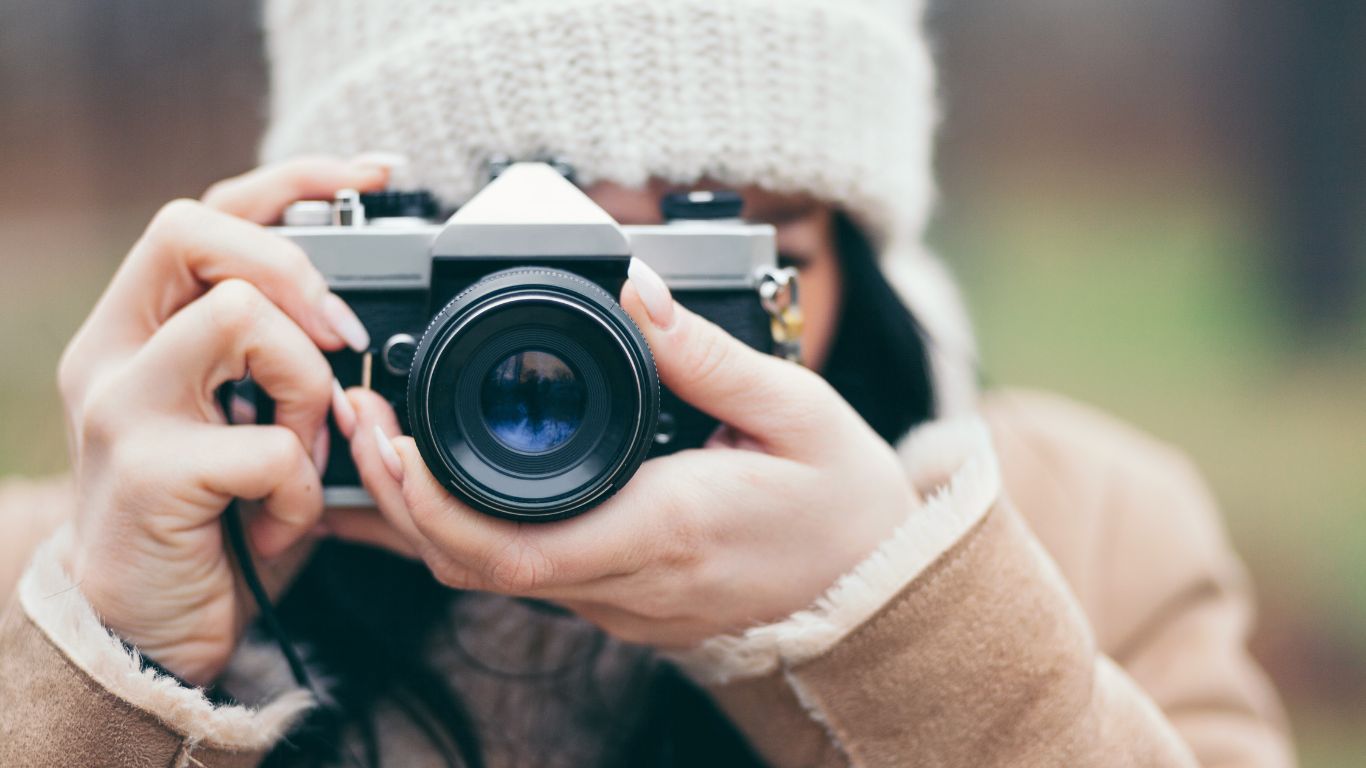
[{"x": 498, "y": 339}]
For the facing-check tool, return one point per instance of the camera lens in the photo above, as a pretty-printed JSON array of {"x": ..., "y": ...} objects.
[
  {"x": 532, "y": 401},
  {"x": 532, "y": 395}
]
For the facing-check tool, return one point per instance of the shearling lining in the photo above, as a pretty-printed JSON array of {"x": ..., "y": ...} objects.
[{"x": 58, "y": 608}]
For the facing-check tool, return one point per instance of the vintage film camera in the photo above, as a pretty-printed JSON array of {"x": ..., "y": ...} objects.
[{"x": 497, "y": 335}]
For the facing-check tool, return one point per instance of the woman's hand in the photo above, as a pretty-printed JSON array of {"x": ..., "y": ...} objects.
[
  {"x": 204, "y": 296},
  {"x": 796, "y": 491}
]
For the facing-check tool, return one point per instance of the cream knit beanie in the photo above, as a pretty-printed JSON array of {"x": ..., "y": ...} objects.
[{"x": 834, "y": 98}]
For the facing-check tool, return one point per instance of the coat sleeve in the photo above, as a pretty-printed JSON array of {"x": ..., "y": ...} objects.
[
  {"x": 72, "y": 694},
  {"x": 978, "y": 652}
]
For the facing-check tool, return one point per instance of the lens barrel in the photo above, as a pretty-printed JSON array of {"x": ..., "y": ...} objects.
[{"x": 533, "y": 396}]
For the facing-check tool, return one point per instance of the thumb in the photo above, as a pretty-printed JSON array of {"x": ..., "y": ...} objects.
[{"x": 765, "y": 397}]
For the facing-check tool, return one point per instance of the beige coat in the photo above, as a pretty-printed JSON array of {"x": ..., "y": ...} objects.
[{"x": 1066, "y": 597}]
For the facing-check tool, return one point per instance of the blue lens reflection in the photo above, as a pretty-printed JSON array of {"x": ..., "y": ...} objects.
[{"x": 532, "y": 402}]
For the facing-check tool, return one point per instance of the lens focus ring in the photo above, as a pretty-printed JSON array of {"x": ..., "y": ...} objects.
[{"x": 533, "y": 396}]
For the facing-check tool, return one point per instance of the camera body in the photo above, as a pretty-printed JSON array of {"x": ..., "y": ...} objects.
[{"x": 496, "y": 335}]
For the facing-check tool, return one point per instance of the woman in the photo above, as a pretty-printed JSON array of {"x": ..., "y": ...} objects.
[{"x": 870, "y": 566}]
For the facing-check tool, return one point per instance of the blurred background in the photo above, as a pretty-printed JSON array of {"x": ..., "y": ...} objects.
[{"x": 1153, "y": 205}]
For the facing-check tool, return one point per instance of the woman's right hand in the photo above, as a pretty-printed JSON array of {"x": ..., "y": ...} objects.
[{"x": 205, "y": 296}]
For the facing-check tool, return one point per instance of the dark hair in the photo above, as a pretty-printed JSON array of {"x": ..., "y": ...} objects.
[
  {"x": 879, "y": 359},
  {"x": 364, "y": 614}
]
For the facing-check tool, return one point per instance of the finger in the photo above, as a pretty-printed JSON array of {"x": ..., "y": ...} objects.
[
  {"x": 628, "y": 626},
  {"x": 263, "y": 463},
  {"x": 366, "y": 526},
  {"x": 262, "y": 195},
  {"x": 232, "y": 330},
  {"x": 373, "y": 411},
  {"x": 505, "y": 556},
  {"x": 371, "y": 408},
  {"x": 773, "y": 400},
  {"x": 188, "y": 247},
  {"x": 278, "y": 572},
  {"x": 378, "y": 425},
  {"x": 343, "y": 412},
  {"x": 663, "y": 516}
]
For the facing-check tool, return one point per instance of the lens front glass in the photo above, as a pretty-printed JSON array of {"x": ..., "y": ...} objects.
[{"x": 532, "y": 401}]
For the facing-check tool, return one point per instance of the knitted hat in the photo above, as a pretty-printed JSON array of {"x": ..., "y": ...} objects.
[{"x": 834, "y": 98}]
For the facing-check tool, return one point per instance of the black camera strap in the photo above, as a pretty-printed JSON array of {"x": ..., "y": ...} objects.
[
  {"x": 236, "y": 537},
  {"x": 237, "y": 541}
]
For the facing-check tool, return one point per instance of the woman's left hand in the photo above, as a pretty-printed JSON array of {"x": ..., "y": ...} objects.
[{"x": 795, "y": 492}]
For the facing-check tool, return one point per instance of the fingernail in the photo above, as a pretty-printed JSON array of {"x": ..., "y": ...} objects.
[
  {"x": 344, "y": 321},
  {"x": 388, "y": 455},
  {"x": 321, "y": 444},
  {"x": 654, "y": 294},
  {"x": 386, "y": 160},
  {"x": 342, "y": 410}
]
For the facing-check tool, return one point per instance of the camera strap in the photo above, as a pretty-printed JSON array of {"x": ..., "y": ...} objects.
[
  {"x": 235, "y": 535},
  {"x": 237, "y": 542}
]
